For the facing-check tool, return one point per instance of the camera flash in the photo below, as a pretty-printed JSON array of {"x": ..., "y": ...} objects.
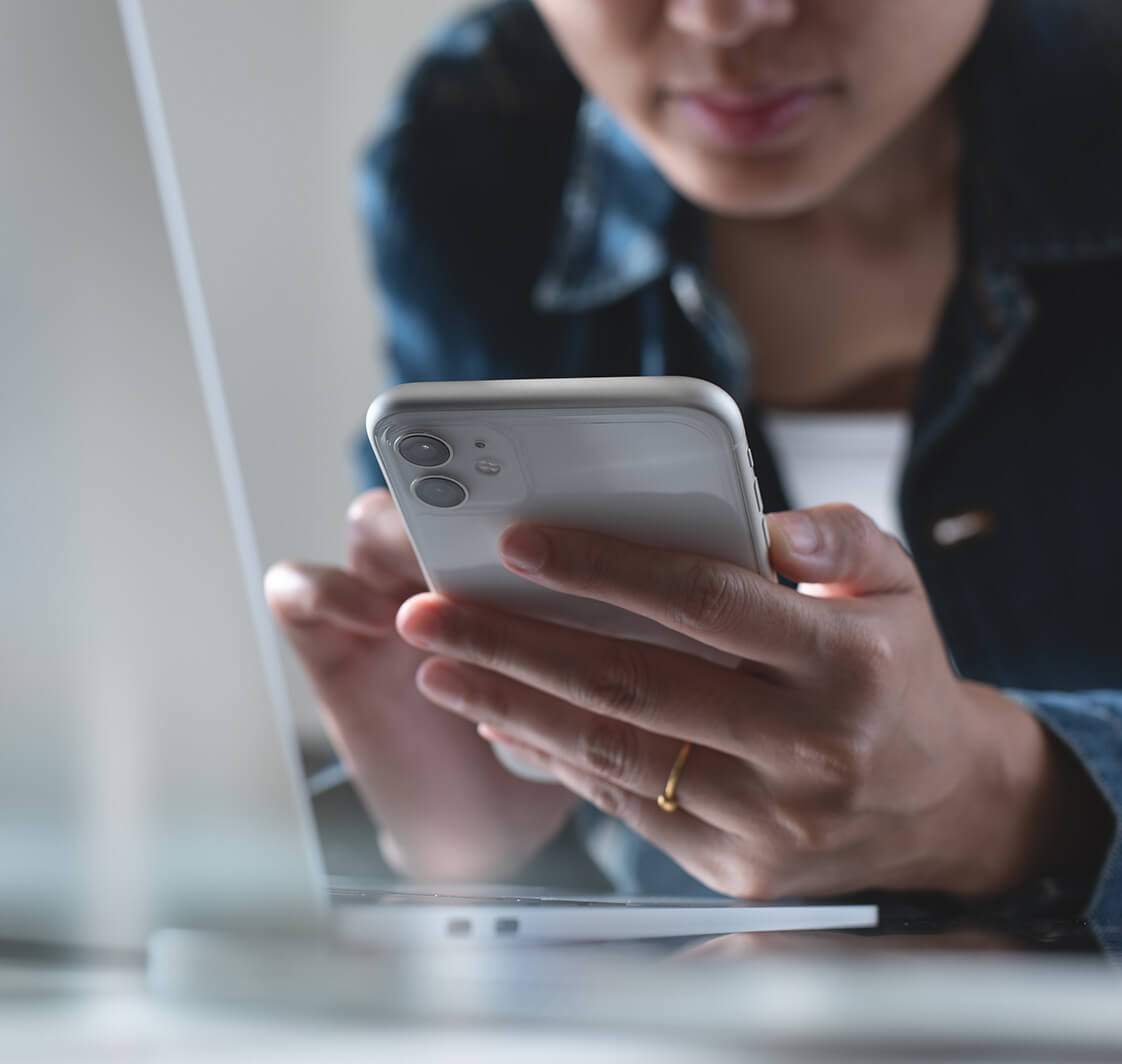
[{"x": 488, "y": 466}]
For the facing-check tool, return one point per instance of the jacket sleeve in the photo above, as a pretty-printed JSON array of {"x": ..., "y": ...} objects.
[{"x": 1089, "y": 724}]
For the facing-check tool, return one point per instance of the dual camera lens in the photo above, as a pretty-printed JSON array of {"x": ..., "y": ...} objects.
[
  {"x": 429, "y": 452},
  {"x": 424, "y": 450}
]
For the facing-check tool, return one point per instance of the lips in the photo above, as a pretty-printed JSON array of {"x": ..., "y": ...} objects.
[{"x": 747, "y": 120}]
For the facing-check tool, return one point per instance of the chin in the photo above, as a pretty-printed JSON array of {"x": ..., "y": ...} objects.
[
  {"x": 788, "y": 180},
  {"x": 756, "y": 188}
]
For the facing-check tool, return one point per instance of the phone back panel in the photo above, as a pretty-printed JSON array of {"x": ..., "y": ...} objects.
[{"x": 659, "y": 461}]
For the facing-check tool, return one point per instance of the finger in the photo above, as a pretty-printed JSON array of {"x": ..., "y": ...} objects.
[
  {"x": 663, "y": 691},
  {"x": 300, "y": 593},
  {"x": 706, "y": 852},
  {"x": 378, "y": 547},
  {"x": 718, "y": 789},
  {"x": 723, "y": 605},
  {"x": 324, "y": 647},
  {"x": 840, "y": 548}
]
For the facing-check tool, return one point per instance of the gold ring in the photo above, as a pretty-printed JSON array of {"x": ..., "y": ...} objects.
[{"x": 667, "y": 801}]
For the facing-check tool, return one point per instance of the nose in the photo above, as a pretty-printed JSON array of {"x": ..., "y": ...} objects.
[{"x": 725, "y": 23}]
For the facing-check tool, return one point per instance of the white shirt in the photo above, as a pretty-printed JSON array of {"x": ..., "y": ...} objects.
[{"x": 841, "y": 457}]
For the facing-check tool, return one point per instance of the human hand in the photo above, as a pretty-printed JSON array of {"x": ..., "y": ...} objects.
[
  {"x": 444, "y": 806},
  {"x": 843, "y": 753}
]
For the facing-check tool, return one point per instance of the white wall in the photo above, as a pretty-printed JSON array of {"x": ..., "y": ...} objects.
[
  {"x": 268, "y": 102},
  {"x": 129, "y": 667}
]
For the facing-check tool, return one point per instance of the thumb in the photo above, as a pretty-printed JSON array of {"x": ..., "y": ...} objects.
[{"x": 841, "y": 549}]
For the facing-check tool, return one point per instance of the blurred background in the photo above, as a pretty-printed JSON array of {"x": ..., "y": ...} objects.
[
  {"x": 111, "y": 694},
  {"x": 268, "y": 104}
]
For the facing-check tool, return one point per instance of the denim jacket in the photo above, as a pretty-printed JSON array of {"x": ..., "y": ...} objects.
[{"x": 516, "y": 230}]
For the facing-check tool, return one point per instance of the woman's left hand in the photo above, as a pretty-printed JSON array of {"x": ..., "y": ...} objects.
[{"x": 843, "y": 753}]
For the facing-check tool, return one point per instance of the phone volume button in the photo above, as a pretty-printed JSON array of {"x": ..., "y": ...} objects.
[
  {"x": 756, "y": 493},
  {"x": 751, "y": 460}
]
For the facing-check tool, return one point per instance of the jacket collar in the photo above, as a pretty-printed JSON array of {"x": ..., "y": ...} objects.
[
  {"x": 615, "y": 221},
  {"x": 1042, "y": 145}
]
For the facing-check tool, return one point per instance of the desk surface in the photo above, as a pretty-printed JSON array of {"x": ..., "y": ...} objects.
[{"x": 967, "y": 993}]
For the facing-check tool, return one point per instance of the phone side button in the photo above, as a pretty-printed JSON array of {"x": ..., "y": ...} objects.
[
  {"x": 751, "y": 460},
  {"x": 756, "y": 493},
  {"x": 767, "y": 534}
]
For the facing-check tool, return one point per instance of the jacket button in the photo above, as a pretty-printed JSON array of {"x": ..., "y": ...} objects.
[
  {"x": 959, "y": 527},
  {"x": 687, "y": 291}
]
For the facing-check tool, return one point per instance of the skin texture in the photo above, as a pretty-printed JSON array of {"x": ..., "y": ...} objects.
[
  {"x": 844, "y": 752},
  {"x": 876, "y": 65},
  {"x": 445, "y": 807},
  {"x": 850, "y": 210}
]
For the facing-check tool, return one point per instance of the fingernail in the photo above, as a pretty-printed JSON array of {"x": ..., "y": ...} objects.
[
  {"x": 443, "y": 686},
  {"x": 524, "y": 549},
  {"x": 800, "y": 531},
  {"x": 356, "y": 511},
  {"x": 290, "y": 588},
  {"x": 422, "y": 626}
]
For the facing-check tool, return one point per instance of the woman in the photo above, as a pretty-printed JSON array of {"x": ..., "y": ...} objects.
[{"x": 820, "y": 205}]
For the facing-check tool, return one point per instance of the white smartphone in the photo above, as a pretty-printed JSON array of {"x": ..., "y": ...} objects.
[{"x": 662, "y": 461}]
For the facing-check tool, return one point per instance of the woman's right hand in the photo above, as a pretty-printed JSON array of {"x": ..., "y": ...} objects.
[{"x": 445, "y": 807}]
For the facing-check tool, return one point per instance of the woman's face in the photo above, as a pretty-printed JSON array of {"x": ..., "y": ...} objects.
[{"x": 764, "y": 107}]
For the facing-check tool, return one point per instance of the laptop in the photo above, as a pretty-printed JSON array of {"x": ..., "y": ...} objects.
[{"x": 149, "y": 772}]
